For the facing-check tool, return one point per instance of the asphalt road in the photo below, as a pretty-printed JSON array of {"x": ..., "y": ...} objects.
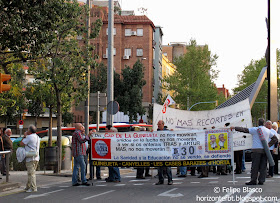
[{"x": 189, "y": 189}]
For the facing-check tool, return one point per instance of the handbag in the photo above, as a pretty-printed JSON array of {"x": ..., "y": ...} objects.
[{"x": 20, "y": 154}]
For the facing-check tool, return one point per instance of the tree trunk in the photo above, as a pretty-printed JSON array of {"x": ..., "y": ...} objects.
[
  {"x": 50, "y": 127},
  {"x": 36, "y": 121},
  {"x": 59, "y": 132}
]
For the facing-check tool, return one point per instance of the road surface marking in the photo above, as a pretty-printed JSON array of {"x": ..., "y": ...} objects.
[
  {"x": 100, "y": 185},
  {"x": 242, "y": 177},
  {"x": 213, "y": 181},
  {"x": 138, "y": 184},
  {"x": 139, "y": 180},
  {"x": 65, "y": 186},
  {"x": 41, "y": 195},
  {"x": 247, "y": 197},
  {"x": 195, "y": 182},
  {"x": 231, "y": 181},
  {"x": 130, "y": 176},
  {"x": 168, "y": 194},
  {"x": 210, "y": 178},
  {"x": 177, "y": 183},
  {"x": 104, "y": 193},
  {"x": 120, "y": 185}
]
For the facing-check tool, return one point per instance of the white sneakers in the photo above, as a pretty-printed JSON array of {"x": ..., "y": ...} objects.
[{"x": 31, "y": 190}]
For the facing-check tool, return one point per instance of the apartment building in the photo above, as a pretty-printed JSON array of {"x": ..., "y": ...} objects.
[{"x": 133, "y": 40}]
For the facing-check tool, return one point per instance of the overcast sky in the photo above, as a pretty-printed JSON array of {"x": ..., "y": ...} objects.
[{"x": 234, "y": 30}]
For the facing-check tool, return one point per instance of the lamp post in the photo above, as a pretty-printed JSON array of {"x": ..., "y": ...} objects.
[{"x": 202, "y": 103}]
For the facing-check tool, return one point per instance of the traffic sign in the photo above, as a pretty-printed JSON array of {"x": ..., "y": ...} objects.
[
  {"x": 20, "y": 126},
  {"x": 20, "y": 122}
]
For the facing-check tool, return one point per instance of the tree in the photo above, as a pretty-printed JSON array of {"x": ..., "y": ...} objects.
[
  {"x": 248, "y": 76},
  {"x": 35, "y": 98},
  {"x": 130, "y": 98},
  {"x": 12, "y": 102},
  {"x": 193, "y": 78},
  {"x": 66, "y": 66},
  {"x": 26, "y": 27}
]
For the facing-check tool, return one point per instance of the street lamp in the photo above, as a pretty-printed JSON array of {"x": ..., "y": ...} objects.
[{"x": 203, "y": 103}]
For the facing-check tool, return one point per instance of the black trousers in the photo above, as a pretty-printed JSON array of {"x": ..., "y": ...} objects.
[
  {"x": 259, "y": 163},
  {"x": 238, "y": 160},
  {"x": 160, "y": 174}
]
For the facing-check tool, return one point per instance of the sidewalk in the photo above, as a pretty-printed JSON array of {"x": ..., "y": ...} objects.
[{"x": 18, "y": 179}]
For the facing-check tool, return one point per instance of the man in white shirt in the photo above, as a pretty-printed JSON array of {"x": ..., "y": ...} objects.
[
  {"x": 268, "y": 125},
  {"x": 259, "y": 158},
  {"x": 31, "y": 142}
]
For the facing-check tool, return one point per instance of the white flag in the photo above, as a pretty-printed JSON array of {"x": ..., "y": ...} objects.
[{"x": 168, "y": 101}]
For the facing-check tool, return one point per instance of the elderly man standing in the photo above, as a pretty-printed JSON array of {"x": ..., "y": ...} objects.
[
  {"x": 259, "y": 158},
  {"x": 79, "y": 153},
  {"x": 268, "y": 125},
  {"x": 31, "y": 142},
  {"x": 160, "y": 169},
  {"x": 8, "y": 146}
]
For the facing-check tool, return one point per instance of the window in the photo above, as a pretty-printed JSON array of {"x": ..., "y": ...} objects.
[
  {"x": 127, "y": 52},
  {"x": 127, "y": 32},
  {"x": 114, "y": 31},
  {"x": 140, "y": 32},
  {"x": 139, "y": 52},
  {"x": 114, "y": 52}
]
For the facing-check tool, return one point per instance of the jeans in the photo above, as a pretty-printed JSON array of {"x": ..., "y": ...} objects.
[
  {"x": 79, "y": 161},
  {"x": 31, "y": 168},
  {"x": 114, "y": 174},
  {"x": 183, "y": 170}
]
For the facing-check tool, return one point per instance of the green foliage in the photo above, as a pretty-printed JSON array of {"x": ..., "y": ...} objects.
[
  {"x": 130, "y": 98},
  {"x": 248, "y": 76},
  {"x": 193, "y": 78},
  {"x": 67, "y": 118},
  {"x": 26, "y": 27},
  {"x": 13, "y": 101},
  {"x": 99, "y": 82}
]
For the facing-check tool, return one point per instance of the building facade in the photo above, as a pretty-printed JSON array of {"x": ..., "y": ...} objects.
[
  {"x": 133, "y": 40},
  {"x": 157, "y": 63}
]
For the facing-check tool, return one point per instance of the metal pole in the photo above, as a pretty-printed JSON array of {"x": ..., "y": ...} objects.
[
  {"x": 88, "y": 77},
  {"x": 98, "y": 111},
  {"x": 201, "y": 103},
  {"x": 88, "y": 97},
  {"x": 268, "y": 60},
  {"x": 110, "y": 73},
  {"x": 7, "y": 166}
]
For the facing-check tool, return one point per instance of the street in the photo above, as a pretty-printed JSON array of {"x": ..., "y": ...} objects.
[{"x": 215, "y": 188}]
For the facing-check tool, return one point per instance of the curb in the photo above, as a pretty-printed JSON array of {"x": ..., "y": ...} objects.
[{"x": 8, "y": 186}]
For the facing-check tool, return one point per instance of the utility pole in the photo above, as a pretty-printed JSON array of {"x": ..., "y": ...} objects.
[
  {"x": 271, "y": 70},
  {"x": 110, "y": 72},
  {"x": 88, "y": 75}
]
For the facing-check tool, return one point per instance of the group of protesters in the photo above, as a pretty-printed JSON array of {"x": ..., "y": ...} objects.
[{"x": 264, "y": 134}]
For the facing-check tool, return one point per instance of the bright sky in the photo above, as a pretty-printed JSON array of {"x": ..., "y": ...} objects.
[{"x": 235, "y": 30}]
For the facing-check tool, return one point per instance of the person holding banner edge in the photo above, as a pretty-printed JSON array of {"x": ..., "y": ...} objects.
[
  {"x": 260, "y": 151},
  {"x": 160, "y": 169}
]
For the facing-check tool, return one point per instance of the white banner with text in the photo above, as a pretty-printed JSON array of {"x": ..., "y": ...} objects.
[
  {"x": 162, "y": 146},
  {"x": 238, "y": 114}
]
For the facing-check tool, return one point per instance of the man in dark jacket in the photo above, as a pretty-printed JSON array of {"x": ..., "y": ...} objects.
[{"x": 8, "y": 146}]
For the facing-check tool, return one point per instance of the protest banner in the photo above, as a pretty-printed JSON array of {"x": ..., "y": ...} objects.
[
  {"x": 238, "y": 114},
  {"x": 162, "y": 148}
]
